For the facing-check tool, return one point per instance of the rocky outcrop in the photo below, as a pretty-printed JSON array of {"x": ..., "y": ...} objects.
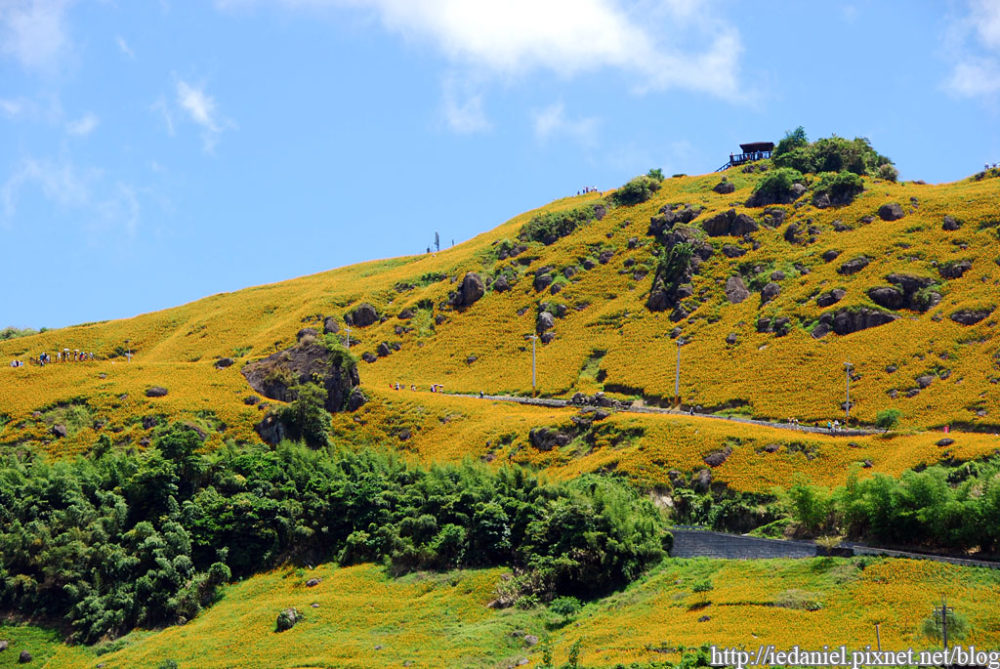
[
  {"x": 545, "y": 439},
  {"x": 970, "y": 316},
  {"x": 954, "y": 269},
  {"x": 729, "y": 223},
  {"x": 287, "y": 619},
  {"x": 471, "y": 290},
  {"x": 736, "y": 291},
  {"x": 717, "y": 457},
  {"x": 330, "y": 325},
  {"x": 769, "y": 292},
  {"x": 733, "y": 251},
  {"x": 669, "y": 217},
  {"x": 854, "y": 265},
  {"x": 363, "y": 315},
  {"x": 847, "y": 321},
  {"x": 501, "y": 284},
  {"x": 891, "y": 212},
  {"x": 545, "y": 321},
  {"x": 907, "y": 292},
  {"x": 724, "y": 187},
  {"x": 276, "y": 375},
  {"x": 950, "y": 224},
  {"x": 542, "y": 280}
]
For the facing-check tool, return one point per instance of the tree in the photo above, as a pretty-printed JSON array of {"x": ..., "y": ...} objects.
[
  {"x": 306, "y": 417},
  {"x": 793, "y": 139},
  {"x": 888, "y": 418},
  {"x": 437, "y": 241}
]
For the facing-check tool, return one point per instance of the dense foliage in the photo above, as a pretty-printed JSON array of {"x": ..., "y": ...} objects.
[
  {"x": 551, "y": 226},
  {"x": 841, "y": 187},
  {"x": 953, "y": 508},
  {"x": 637, "y": 190},
  {"x": 830, "y": 154},
  {"x": 776, "y": 186},
  {"x": 117, "y": 540},
  {"x": 14, "y": 333}
]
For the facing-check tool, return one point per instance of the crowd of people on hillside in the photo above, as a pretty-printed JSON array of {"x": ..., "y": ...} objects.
[
  {"x": 994, "y": 166},
  {"x": 65, "y": 355},
  {"x": 435, "y": 387},
  {"x": 587, "y": 189}
]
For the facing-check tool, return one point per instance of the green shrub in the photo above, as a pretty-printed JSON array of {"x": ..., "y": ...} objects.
[
  {"x": 704, "y": 585},
  {"x": 798, "y": 599},
  {"x": 567, "y": 607},
  {"x": 830, "y": 154},
  {"x": 887, "y": 172},
  {"x": 550, "y": 227},
  {"x": 958, "y": 625},
  {"x": 306, "y": 416},
  {"x": 793, "y": 139},
  {"x": 888, "y": 418},
  {"x": 776, "y": 187},
  {"x": 841, "y": 187},
  {"x": 636, "y": 191}
]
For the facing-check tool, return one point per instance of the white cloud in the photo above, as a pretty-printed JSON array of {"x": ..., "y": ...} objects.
[
  {"x": 34, "y": 31},
  {"x": 665, "y": 44},
  {"x": 552, "y": 121},
  {"x": 12, "y": 108},
  {"x": 973, "y": 42},
  {"x": 83, "y": 126},
  {"x": 124, "y": 47},
  {"x": 463, "y": 108},
  {"x": 70, "y": 187},
  {"x": 201, "y": 108}
]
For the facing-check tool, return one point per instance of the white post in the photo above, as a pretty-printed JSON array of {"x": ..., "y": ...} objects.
[
  {"x": 847, "y": 404},
  {"x": 347, "y": 329}
]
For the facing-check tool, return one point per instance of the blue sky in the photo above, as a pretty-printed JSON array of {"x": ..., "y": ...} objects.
[{"x": 157, "y": 151}]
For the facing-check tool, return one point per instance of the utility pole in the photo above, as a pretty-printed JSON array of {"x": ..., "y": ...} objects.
[
  {"x": 944, "y": 622},
  {"x": 677, "y": 375},
  {"x": 878, "y": 639},
  {"x": 347, "y": 336},
  {"x": 847, "y": 404}
]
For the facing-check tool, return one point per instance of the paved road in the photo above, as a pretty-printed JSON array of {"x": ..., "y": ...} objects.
[
  {"x": 547, "y": 402},
  {"x": 690, "y": 542}
]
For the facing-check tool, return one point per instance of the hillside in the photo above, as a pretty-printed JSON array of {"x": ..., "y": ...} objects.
[
  {"x": 935, "y": 370},
  {"x": 765, "y": 295}
]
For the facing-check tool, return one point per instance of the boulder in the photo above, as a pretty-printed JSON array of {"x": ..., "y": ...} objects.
[
  {"x": 793, "y": 235},
  {"x": 555, "y": 288},
  {"x": 222, "y": 363},
  {"x": 889, "y": 297},
  {"x": 769, "y": 292},
  {"x": 717, "y": 457},
  {"x": 947, "y": 441},
  {"x": 369, "y": 357},
  {"x": 287, "y": 619},
  {"x": 156, "y": 391},
  {"x": 732, "y": 251},
  {"x": 777, "y": 275},
  {"x": 830, "y": 256},
  {"x": 24, "y": 657},
  {"x": 530, "y": 640},
  {"x": 891, "y": 212},
  {"x": 313, "y": 582},
  {"x": 724, "y": 187},
  {"x": 950, "y": 224},
  {"x": 3, "y": 644},
  {"x": 830, "y": 297},
  {"x": 729, "y": 223},
  {"x": 736, "y": 291},
  {"x": 59, "y": 431},
  {"x": 731, "y": 338},
  {"x": 545, "y": 321},
  {"x": 472, "y": 289},
  {"x": 501, "y": 284},
  {"x": 798, "y": 190},
  {"x": 305, "y": 332},
  {"x": 821, "y": 200},
  {"x": 605, "y": 256},
  {"x": 542, "y": 281},
  {"x": 954, "y": 269},
  {"x": 669, "y": 217},
  {"x": 363, "y": 315},
  {"x": 821, "y": 330},
  {"x": 383, "y": 349},
  {"x": 970, "y": 316},
  {"x": 406, "y": 314},
  {"x": 847, "y": 321},
  {"x": 854, "y": 265},
  {"x": 330, "y": 325},
  {"x": 925, "y": 380},
  {"x": 545, "y": 439},
  {"x": 149, "y": 422},
  {"x": 702, "y": 480},
  {"x": 774, "y": 216},
  {"x": 356, "y": 399}
]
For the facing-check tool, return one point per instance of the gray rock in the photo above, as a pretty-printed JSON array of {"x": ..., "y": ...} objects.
[
  {"x": 59, "y": 431},
  {"x": 156, "y": 391},
  {"x": 546, "y": 337},
  {"x": 305, "y": 332},
  {"x": 830, "y": 297},
  {"x": 954, "y": 270},
  {"x": 821, "y": 330},
  {"x": 769, "y": 292},
  {"x": 313, "y": 582},
  {"x": 925, "y": 380},
  {"x": 472, "y": 289},
  {"x": 383, "y": 349},
  {"x": 501, "y": 284},
  {"x": 732, "y": 251},
  {"x": 330, "y": 325},
  {"x": 736, "y": 291},
  {"x": 3, "y": 644},
  {"x": 777, "y": 275},
  {"x": 545, "y": 321},
  {"x": 731, "y": 338},
  {"x": 274, "y": 376},
  {"x": 287, "y": 619},
  {"x": 891, "y": 212},
  {"x": 830, "y": 256},
  {"x": 356, "y": 399},
  {"x": 555, "y": 288},
  {"x": 717, "y": 457},
  {"x": 530, "y": 640},
  {"x": 970, "y": 316},
  {"x": 222, "y": 363},
  {"x": 821, "y": 201},
  {"x": 854, "y": 265},
  {"x": 149, "y": 422},
  {"x": 24, "y": 657},
  {"x": 542, "y": 281},
  {"x": 702, "y": 480},
  {"x": 724, "y": 187},
  {"x": 545, "y": 439},
  {"x": 729, "y": 223},
  {"x": 947, "y": 441},
  {"x": 364, "y": 315},
  {"x": 798, "y": 190},
  {"x": 793, "y": 235},
  {"x": 369, "y": 357},
  {"x": 846, "y": 321},
  {"x": 950, "y": 224},
  {"x": 889, "y": 297},
  {"x": 406, "y": 314},
  {"x": 605, "y": 257}
]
